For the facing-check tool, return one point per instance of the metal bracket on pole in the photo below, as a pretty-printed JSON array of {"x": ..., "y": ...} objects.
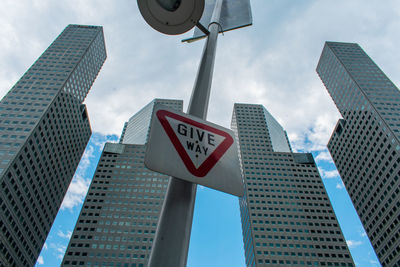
[
  {"x": 202, "y": 28},
  {"x": 171, "y": 242}
]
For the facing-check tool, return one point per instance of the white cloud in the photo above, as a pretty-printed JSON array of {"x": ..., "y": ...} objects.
[
  {"x": 339, "y": 185},
  {"x": 328, "y": 174},
  {"x": 98, "y": 140},
  {"x": 373, "y": 262},
  {"x": 271, "y": 63},
  {"x": 76, "y": 192},
  {"x": 40, "y": 260},
  {"x": 61, "y": 249},
  {"x": 353, "y": 243},
  {"x": 61, "y": 252},
  {"x": 324, "y": 156},
  {"x": 331, "y": 174},
  {"x": 80, "y": 183},
  {"x": 66, "y": 235},
  {"x": 362, "y": 232},
  {"x": 45, "y": 246}
]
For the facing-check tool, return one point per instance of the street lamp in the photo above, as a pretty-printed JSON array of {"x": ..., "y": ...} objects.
[{"x": 171, "y": 16}]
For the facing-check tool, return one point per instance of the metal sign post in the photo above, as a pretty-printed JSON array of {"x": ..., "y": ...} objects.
[{"x": 171, "y": 243}]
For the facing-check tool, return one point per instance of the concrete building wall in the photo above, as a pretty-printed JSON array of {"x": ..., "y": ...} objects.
[
  {"x": 118, "y": 220},
  {"x": 287, "y": 218},
  {"x": 365, "y": 143},
  {"x": 44, "y": 131}
]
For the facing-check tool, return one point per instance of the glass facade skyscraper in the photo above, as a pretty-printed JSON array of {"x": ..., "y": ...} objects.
[
  {"x": 119, "y": 216},
  {"x": 365, "y": 144},
  {"x": 287, "y": 218},
  {"x": 136, "y": 130},
  {"x": 44, "y": 131}
]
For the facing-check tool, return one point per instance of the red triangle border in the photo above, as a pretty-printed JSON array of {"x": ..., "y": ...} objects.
[{"x": 212, "y": 159}]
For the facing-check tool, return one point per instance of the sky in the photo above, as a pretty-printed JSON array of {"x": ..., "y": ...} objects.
[{"x": 271, "y": 63}]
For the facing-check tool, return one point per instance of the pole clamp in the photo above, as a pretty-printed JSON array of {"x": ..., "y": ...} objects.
[{"x": 219, "y": 26}]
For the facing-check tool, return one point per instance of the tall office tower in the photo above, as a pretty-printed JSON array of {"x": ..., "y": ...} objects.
[
  {"x": 365, "y": 144},
  {"x": 119, "y": 216},
  {"x": 44, "y": 131},
  {"x": 287, "y": 218}
]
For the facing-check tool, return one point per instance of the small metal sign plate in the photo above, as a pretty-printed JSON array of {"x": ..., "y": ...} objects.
[
  {"x": 194, "y": 150},
  {"x": 234, "y": 14}
]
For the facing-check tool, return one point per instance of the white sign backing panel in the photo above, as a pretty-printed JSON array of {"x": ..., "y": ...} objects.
[
  {"x": 193, "y": 150},
  {"x": 235, "y": 14}
]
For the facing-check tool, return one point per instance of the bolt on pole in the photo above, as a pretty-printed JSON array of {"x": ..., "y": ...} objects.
[{"x": 171, "y": 242}]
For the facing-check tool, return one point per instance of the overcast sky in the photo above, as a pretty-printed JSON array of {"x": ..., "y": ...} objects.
[{"x": 271, "y": 63}]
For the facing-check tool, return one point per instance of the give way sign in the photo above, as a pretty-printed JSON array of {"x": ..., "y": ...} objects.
[{"x": 194, "y": 150}]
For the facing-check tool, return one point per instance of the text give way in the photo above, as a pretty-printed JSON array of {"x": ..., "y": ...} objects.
[{"x": 194, "y": 150}]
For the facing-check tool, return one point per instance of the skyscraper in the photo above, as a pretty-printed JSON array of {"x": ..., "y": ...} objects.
[
  {"x": 287, "y": 218},
  {"x": 365, "y": 144},
  {"x": 44, "y": 131},
  {"x": 119, "y": 216}
]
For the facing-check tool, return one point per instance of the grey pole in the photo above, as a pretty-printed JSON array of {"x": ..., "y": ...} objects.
[
  {"x": 198, "y": 105},
  {"x": 171, "y": 243}
]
